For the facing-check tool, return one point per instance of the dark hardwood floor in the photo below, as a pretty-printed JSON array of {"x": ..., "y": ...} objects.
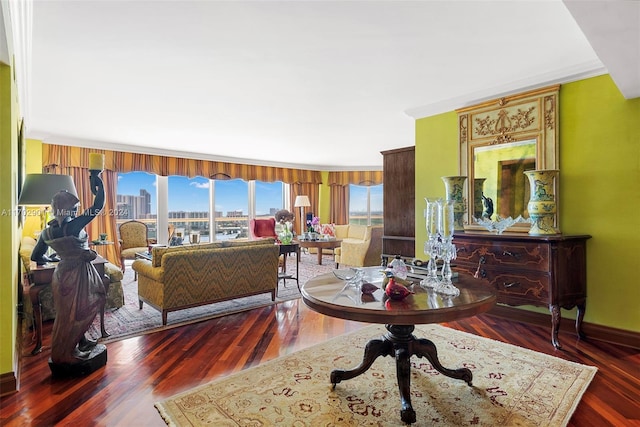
[{"x": 149, "y": 368}]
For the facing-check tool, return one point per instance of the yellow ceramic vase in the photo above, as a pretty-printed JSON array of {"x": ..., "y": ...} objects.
[
  {"x": 542, "y": 202},
  {"x": 454, "y": 188}
]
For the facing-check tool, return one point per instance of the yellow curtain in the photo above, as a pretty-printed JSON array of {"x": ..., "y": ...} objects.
[
  {"x": 302, "y": 182},
  {"x": 338, "y": 211},
  {"x": 105, "y": 222},
  {"x": 68, "y": 156}
]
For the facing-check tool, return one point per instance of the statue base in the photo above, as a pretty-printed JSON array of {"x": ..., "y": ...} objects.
[{"x": 96, "y": 360}]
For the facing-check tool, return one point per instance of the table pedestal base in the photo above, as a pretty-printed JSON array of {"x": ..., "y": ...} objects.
[{"x": 401, "y": 343}]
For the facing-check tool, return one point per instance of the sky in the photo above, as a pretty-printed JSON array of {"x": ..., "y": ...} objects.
[{"x": 192, "y": 194}]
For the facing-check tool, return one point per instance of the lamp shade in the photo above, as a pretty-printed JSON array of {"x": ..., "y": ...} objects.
[
  {"x": 39, "y": 188},
  {"x": 301, "y": 201}
]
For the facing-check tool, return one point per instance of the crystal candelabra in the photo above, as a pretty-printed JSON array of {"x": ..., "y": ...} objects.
[
  {"x": 447, "y": 250},
  {"x": 432, "y": 245}
]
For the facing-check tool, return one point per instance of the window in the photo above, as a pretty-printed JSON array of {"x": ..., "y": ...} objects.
[
  {"x": 231, "y": 209},
  {"x": 136, "y": 198},
  {"x": 269, "y": 198},
  {"x": 365, "y": 204},
  {"x": 189, "y": 204},
  {"x": 189, "y": 207}
]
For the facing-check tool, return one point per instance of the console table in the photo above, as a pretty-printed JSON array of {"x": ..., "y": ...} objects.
[{"x": 530, "y": 270}]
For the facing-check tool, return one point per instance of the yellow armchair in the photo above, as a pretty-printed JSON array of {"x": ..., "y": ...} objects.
[
  {"x": 361, "y": 245},
  {"x": 133, "y": 238}
]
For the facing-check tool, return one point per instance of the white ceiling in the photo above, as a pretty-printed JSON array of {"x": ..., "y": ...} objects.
[{"x": 316, "y": 84}]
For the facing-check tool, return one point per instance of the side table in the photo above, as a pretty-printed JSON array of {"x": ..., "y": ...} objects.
[{"x": 285, "y": 250}]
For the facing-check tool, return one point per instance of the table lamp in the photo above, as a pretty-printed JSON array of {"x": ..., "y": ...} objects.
[
  {"x": 39, "y": 189},
  {"x": 301, "y": 202}
]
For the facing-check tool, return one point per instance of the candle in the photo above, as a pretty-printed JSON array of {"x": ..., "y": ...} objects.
[
  {"x": 431, "y": 214},
  {"x": 433, "y": 227},
  {"x": 446, "y": 218},
  {"x": 446, "y": 232},
  {"x": 96, "y": 161}
]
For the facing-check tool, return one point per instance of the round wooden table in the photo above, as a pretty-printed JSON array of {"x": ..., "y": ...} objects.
[
  {"x": 320, "y": 245},
  {"x": 331, "y": 296}
]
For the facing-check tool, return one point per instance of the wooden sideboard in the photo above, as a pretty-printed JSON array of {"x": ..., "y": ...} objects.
[
  {"x": 529, "y": 270},
  {"x": 399, "y": 202}
]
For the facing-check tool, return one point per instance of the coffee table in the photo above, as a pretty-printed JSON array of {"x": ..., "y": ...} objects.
[
  {"x": 320, "y": 245},
  {"x": 331, "y": 296}
]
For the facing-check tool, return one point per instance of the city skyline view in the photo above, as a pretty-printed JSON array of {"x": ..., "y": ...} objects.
[{"x": 192, "y": 194}]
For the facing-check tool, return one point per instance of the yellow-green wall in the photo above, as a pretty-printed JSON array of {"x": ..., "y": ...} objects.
[
  {"x": 33, "y": 165},
  {"x": 599, "y": 189},
  {"x": 8, "y": 221},
  {"x": 324, "y": 201}
]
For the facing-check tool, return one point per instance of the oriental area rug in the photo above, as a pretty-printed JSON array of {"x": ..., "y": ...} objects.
[
  {"x": 129, "y": 320},
  {"x": 512, "y": 386}
]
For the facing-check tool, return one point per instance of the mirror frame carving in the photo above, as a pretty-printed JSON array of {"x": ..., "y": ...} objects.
[{"x": 528, "y": 115}]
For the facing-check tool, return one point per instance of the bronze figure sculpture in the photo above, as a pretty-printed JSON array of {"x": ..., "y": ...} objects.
[{"x": 78, "y": 288}]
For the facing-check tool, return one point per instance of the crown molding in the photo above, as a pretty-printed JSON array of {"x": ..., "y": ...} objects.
[
  {"x": 567, "y": 75},
  {"x": 48, "y": 138}
]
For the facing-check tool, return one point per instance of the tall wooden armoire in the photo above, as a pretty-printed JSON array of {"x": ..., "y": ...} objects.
[{"x": 399, "y": 202}]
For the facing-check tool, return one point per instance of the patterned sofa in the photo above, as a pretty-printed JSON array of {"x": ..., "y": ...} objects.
[
  {"x": 361, "y": 245},
  {"x": 180, "y": 277},
  {"x": 115, "y": 297}
]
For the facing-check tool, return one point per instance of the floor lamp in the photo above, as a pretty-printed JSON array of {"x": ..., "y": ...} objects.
[{"x": 301, "y": 202}]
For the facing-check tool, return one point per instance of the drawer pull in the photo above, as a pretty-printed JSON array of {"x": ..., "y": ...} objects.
[
  {"x": 480, "y": 273},
  {"x": 511, "y": 254},
  {"x": 511, "y": 285},
  {"x": 461, "y": 249}
]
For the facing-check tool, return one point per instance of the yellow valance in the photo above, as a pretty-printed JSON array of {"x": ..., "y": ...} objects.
[
  {"x": 355, "y": 177},
  {"x": 63, "y": 156}
]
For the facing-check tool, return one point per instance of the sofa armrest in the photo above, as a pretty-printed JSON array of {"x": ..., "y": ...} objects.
[{"x": 143, "y": 267}]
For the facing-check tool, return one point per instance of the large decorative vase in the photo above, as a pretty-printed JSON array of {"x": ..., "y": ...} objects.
[
  {"x": 454, "y": 188},
  {"x": 478, "y": 191},
  {"x": 285, "y": 236},
  {"x": 542, "y": 202}
]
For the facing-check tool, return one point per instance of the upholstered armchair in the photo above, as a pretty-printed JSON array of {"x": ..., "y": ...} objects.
[
  {"x": 133, "y": 238},
  {"x": 262, "y": 227},
  {"x": 361, "y": 245}
]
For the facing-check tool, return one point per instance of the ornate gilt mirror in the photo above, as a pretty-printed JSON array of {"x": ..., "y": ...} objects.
[{"x": 500, "y": 140}]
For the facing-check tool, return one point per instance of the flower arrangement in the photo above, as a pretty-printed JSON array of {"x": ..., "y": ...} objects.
[{"x": 313, "y": 225}]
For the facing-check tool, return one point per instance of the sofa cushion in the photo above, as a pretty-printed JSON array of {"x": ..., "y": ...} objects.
[
  {"x": 342, "y": 231},
  {"x": 241, "y": 242},
  {"x": 158, "y": 251},
  {"x": 358, "y": 232}
]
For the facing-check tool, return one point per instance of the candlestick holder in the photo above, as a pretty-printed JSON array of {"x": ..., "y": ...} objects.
[
  {"x": 447, "y": 250},
  {"x": 432, "y": 245}
]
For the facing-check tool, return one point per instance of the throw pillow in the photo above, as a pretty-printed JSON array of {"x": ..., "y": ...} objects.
[{"x": 328, "y": 230}]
